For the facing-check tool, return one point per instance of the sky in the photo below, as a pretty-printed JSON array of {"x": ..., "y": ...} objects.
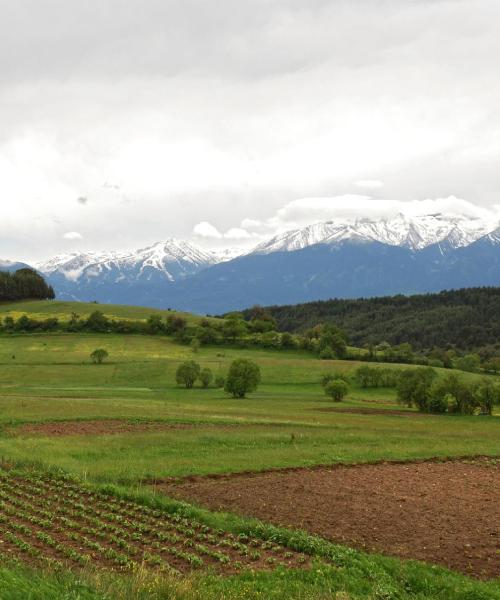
[{"x": 123, "y": 123}]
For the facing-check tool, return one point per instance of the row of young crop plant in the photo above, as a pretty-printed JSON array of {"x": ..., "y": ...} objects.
[{"x": 81, "y": 526}]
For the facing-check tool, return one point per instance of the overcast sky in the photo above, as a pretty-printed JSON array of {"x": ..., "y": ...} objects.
[{"x": 124, "y": 122}]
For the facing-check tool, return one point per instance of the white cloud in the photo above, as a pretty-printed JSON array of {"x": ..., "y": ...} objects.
[
  {"x": 237, "y": 233},
  {"x": 184, "y": 107},
  {"x": 207, "y": 230},
  {"x": 369, "y": 184},
  {"x": 72, "y": 235},
  {"x": 251, "y": 223},
  {"x": 306, "y": 211}
]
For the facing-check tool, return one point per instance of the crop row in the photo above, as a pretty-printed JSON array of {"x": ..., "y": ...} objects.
[{"x": 56, "y": 521}]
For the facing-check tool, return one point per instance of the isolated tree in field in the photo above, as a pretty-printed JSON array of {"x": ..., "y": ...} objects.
[
  {"x": 243, "y": 377},
  {"x": 336, "y": 389},
  {"x": 187, "y": 373},
  {"x": 99, "y": 355},
  {"x": 206, "y": 377}
]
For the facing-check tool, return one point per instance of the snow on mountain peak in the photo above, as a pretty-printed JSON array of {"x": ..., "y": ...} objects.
[
  {"x": 411, "y": 232},
  {"x": 171, "y": 258}
]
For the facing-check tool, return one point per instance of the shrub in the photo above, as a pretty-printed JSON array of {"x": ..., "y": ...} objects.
[
  {"x": 220, "y": 381},
  {"x": 206, "y": 377},
  {"x": 195, "y": 345},
  {"x": 337, "y": 389},
  {"x": 243, "y": 377},
  {"x": 326, "y": 353},
  {"x": 97, "y": 321},
  {"x": 99, "y": 355},
  {"x": 187, "y": 373},
  {"x": 327, "y": 377}
]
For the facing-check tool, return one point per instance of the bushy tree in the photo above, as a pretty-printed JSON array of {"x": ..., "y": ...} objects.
[
  {"x": 99, "y": 355},
  {"x": 414, "y": 387},
  {"x": 154, "y": 324},
  {"x": 287, "y": 340},
  {"x": 327, "y": 377},
  {"x": 220, "y": 381},
  {"x": 326, "y": 353},
  {"x": 234, "y": 327},
  {"x": 195, "y": 345},
  {"x": 469, "y": 362},
  {"x": 243, "y": 377},
  {"x": 187, "y": 373},
  {"x": 336, "y": 389},
  {"x": 97, "y": 321},
  {"x": 206, "y": 377},
  {"x": 331, "y": 338}
]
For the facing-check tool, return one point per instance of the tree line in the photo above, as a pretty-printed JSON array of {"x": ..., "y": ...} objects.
[
  {"x": 24, "y": 284},
  {"x": 466, "y": 319}
]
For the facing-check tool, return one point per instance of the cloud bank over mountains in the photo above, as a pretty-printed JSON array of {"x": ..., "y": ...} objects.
[
  {"x": 129, "y": 124},
  {"x": 348, "y": 207}
]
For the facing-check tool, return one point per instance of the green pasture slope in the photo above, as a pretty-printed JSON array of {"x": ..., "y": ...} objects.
[
  {"x": 42, "y": 309},
  {"x": 49, "y": 377}
]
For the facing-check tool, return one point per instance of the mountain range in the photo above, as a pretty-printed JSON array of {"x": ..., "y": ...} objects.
[{"x": 341, "y": 258}]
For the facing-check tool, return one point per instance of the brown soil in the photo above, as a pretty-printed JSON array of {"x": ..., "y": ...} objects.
[
  {"x": 109, "y": 426},
  {"x": 97, "y": 427},
  {"x": 444, "y": 513},
  {"x": 374, "y": 411}
]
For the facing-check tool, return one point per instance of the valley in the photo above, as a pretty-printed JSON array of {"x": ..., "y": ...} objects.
[{"x": 125, "y": 433}]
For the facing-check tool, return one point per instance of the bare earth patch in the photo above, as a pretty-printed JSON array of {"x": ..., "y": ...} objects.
[
  {"x": 97, "y": 427},
  {"x": 444, "y": 513}
]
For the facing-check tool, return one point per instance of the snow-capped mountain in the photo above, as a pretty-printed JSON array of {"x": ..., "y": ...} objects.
[
  {"x": 342, "y": 258},
  {"x": 169, "y": 260},
  {"x": 414, "y": 233}
]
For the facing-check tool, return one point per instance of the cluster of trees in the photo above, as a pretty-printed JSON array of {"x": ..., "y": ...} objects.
[
  {"x": 242, "y": 378},
  {"x": 467, "y": 319},
  {"x": 452, "y": 394},
  {"x": 421, "y": 387},
  {"x": 24, "y": 284},
  {"x": 373, "y": 377}
]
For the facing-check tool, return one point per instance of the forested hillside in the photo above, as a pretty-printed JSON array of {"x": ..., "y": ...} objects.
[
  {"x": 466, "y": 318},
  {"x": 24, "y": 284}
]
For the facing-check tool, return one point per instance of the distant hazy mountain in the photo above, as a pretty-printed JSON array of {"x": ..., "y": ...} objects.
[
  {"x": 9, "y": 265},
  {"x": 344, "y": 259}
]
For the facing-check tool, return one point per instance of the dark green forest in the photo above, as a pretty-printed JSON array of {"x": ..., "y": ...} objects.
[
  {"x": 467, "y": 319},
  {"x": 24, "y": 284}
]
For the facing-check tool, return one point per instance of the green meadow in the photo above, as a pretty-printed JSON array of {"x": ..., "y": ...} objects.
[{"x": 287, "y": 422}]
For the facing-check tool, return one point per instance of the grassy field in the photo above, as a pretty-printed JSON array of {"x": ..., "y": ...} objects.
[
  {"x": 42, "y": 309},
  {"x": 283, "y": 424},
  {"x": 47, "y": 378}
]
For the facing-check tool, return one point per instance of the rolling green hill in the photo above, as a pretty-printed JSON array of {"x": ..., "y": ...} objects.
[
  {"x": 41, "y": 309},
  {"x": 467, "y": 319}
]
